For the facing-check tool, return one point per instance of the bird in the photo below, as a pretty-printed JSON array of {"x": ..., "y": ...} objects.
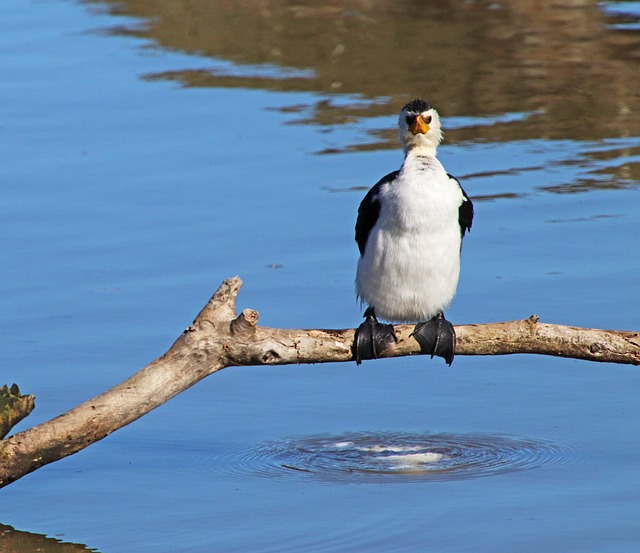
[{"x": 409, "y": 232}]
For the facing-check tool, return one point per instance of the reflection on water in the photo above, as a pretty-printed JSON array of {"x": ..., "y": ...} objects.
[
  {"x": 15, "y": 541},
  {"x": 611, "y": 164},
  {"x": 573, "y": 63},
  {"x": 496, "y": 72},
  {"x": 386, "y": 457},
  {"x": 623, "y": 15}
]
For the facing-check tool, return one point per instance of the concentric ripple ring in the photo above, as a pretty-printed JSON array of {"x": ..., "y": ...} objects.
[{"x": 391, "y": 457}]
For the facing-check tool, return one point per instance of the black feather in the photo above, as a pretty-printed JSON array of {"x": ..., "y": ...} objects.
[
  {"x": 417, "y": 106},
  {"x": 465, "y": 211},
  {"x": 369, "y": 211}
]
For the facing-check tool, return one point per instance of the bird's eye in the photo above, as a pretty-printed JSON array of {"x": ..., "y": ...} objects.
[
  {"x": 410, "y": 119},
  {"x": 428, "y": 119}
]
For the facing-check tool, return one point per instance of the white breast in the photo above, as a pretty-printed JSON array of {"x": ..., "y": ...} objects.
[{"x": 411, "y": 264}]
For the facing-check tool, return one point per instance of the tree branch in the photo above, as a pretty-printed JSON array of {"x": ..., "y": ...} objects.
[{"x": 218, "y": 338}]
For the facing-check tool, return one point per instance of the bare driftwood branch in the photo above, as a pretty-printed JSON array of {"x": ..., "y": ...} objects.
[{"x": 219, "y": 338}]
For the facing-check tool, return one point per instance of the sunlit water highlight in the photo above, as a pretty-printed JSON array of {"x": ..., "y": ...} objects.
[{"x": 388, "y": 457}]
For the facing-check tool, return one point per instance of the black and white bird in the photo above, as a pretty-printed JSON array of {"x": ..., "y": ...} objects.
[{"x": 409, "y": 231}]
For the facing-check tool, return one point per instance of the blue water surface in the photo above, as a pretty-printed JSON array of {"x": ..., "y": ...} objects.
[{"x": 125, "y": 202}]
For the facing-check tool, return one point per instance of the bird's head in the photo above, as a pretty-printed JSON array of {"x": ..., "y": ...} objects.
[{"x": 419, "y": 126}]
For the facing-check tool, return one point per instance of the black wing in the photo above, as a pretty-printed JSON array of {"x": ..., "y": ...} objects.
[
  {"x": 465, "y": 211},
  {"x": 369, "y": 210}
]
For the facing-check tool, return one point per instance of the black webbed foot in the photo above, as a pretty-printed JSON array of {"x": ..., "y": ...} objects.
[
  {"x": 372, "y": 337},
  {"x": 436, "y": 337}
]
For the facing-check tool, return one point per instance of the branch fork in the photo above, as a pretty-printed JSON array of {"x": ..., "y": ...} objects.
[{"x": 220, "y": 338}]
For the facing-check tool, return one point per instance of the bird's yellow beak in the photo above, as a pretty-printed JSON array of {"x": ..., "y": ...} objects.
[{"x": 419, "y": 125}]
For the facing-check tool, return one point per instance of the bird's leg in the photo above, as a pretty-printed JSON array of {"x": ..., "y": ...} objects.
[
  {"x": 372, "y": 338},
  {"x": 436, "y": 337}
]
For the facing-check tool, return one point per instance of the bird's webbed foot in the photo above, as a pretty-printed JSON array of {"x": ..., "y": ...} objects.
[
  {"x": 372, "y": 338},
  {"x": 436, "y": 337}
]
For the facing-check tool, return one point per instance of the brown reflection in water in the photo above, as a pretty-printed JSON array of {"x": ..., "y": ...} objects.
[
  {"x": 15, "y": 541},
  {"x": 560, "y": 59}
]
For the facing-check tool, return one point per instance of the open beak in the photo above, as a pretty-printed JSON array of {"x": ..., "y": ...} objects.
[{"x": 419, "y": 125}]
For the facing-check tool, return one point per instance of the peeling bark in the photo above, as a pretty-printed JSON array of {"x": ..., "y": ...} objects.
[{"x": 218, "y": 338}]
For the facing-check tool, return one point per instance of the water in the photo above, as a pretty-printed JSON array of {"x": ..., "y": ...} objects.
[
  {"x": 151, "y": 150},
  {"x": 388, "y": 457}
]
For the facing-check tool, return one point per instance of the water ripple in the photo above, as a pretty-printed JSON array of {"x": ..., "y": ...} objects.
[{"x": 389, "y": 457}]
